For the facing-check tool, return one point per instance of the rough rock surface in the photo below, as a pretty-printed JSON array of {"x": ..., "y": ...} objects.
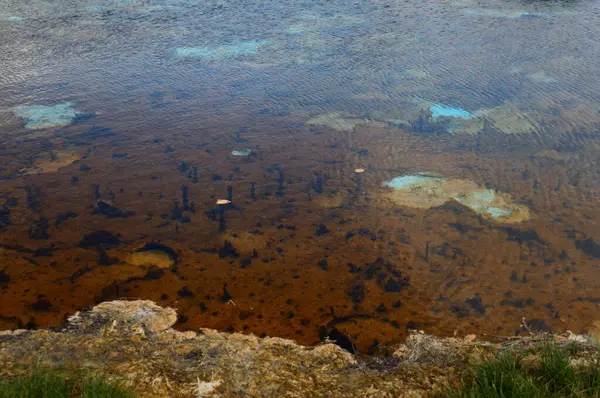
[
  {"x": 124, "y": 318},
  {"x": 133, "y": 343}
]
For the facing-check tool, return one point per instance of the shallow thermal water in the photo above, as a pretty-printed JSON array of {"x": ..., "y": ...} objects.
[{"x": 123, "y": 122}]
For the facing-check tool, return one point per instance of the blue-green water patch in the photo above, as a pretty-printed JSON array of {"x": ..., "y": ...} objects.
[
  {"x": 441, "y": 110},
  {"x": 408, "y": 181},
  {"x": 480, "y": 201},
  {"x": 41, "y": 116},
  {"x": 509, "y": 14},
  {"x": 195, "y": 52},
  {"x": 498, "y": 212},
  {"x": 242, "y": 152},
  {"x": 15, "y": 19},
  {"x": 235, "y": 48},
  {"x": 242, "y": 47},
  {"x": 95, "y": 8},
  {"x": 295, "y": 30}
]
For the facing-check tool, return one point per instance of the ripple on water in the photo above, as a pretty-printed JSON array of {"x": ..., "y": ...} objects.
[{"x": 363, "y": 72}]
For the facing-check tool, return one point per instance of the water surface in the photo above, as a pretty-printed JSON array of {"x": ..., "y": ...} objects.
[{"x": 123, "y": 122}]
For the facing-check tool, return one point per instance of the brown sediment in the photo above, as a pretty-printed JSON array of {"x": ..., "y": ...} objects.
[
  {"x": 332, "y": 200},
  {"x": 51, "y": 162},
  {"x": 299, "y": 259}
]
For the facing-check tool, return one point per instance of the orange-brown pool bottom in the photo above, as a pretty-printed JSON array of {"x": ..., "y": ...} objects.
[{"x": 306, "y": 249}]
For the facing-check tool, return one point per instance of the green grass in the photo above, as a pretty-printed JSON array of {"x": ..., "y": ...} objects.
[
  {"x": 45, "y": 384},
  {"x": 508, "y": 376},
  {"x": 97, "y": 388}
]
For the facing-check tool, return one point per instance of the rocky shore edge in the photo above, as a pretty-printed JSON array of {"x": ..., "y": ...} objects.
[{"x": 133, "y": 343}]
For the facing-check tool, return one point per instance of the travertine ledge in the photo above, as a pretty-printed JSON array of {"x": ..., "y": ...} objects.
[{"x": 133, "y": 342}]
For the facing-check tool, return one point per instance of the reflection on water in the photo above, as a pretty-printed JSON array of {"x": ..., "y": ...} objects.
[{"x": 303, "y": 169}]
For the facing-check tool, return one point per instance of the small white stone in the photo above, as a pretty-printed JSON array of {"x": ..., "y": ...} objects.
[{"x": 205, "y": 388}]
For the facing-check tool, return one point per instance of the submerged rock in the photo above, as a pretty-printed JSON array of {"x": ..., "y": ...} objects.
[
  {"x": 421, "y": 116},
  {"x": 427, "y": 190},
  {"x": 339, "y": 122},
  {"x": 151, "y": 258},
  {"x": 508, "y": 119},
  {"x": 41, "y": 117},
  {"x": 153, "y": 255},
  {"x": 125, "y": 318}
]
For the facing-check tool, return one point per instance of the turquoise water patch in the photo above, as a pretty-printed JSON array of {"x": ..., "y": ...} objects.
[
  {"x": 295, "y": 30},
  {"x": 242, "y": 47},
  {"x": 41, "y": 116},
  {"x": 196, "y": 52},
  {"x": 95, "y": 8},
  {"x": 541, "y": 77},
  {"x": 492, "y": 13},
  {"x": 408, "y": 181},
  {"x": 235, "y": 48},
  {"x": 481, "y": 201},
  {"x": 243, "y": 152},
  {"x": 532, "y": 14},
  {"x": 498, "y": 212},
  {"x": 440, "y": 110}
]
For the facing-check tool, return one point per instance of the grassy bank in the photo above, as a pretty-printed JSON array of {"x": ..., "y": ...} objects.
[
  {"x": 546, "y": 370},
  {"x": 40, "y": 383}
]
